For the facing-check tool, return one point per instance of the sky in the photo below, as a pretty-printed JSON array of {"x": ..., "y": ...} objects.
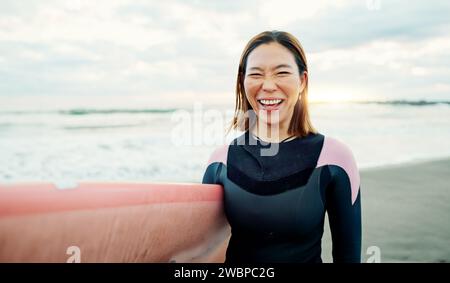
[{"x": 356, "y": 50}]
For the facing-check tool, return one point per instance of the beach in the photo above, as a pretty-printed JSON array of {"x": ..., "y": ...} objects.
[{"x": 405, "y": 210}]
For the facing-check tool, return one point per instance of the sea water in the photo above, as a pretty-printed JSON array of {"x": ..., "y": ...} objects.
[{"x": 123, "y": 138}]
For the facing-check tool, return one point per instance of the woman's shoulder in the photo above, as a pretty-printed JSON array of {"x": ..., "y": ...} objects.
[
  {"x": 335, "y": 151},
  {"x": 219, "y": 155}
]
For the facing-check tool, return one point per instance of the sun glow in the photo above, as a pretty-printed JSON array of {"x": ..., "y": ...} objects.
[{"x": 333, "y": 95}]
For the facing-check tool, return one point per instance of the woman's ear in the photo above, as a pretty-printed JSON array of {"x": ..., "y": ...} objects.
[{"x": 303, "y": 80}]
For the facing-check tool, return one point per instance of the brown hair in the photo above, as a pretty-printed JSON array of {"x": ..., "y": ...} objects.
[{"x": 300, "y": 124}]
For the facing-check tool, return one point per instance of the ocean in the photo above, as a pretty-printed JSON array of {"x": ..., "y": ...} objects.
[{"x": 135, "y": 138}]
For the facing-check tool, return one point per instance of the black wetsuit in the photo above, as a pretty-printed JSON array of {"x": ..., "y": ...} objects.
[{"x": 276, "y": 204}]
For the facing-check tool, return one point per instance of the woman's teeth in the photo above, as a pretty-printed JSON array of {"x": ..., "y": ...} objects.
[{"x": 270, "y": 102}]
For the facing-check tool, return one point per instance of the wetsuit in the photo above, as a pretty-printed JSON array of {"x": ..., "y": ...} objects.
[{"x": 276, "y": 204}]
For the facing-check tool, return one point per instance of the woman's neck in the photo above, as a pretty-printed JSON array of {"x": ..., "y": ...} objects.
[{"x": 268, "y": 133}]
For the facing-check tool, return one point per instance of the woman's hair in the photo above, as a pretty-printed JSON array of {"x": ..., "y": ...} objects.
[{"x": 300, "y": 124}]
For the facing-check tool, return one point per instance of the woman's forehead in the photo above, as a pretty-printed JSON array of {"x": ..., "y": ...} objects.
[{"x": 270, "y": 56}]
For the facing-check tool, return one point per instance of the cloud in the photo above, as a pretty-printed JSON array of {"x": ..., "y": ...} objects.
[
  {"x": 94, "y": 21},
  {"x": 391, "y": 54},
  {"x": 390, "y": 67},
  {"x": 291, "y": 11},
  {"x": 352, "y": 23},
  {"x": 162, "y": 47}
]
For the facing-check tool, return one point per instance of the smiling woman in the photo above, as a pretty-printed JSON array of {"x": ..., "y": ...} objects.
[
  {"x": 273, "y": 82},
  {"x": 276, "y": 203}
]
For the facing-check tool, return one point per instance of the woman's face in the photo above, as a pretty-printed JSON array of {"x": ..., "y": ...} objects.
[{"x": 273, "y": 84}]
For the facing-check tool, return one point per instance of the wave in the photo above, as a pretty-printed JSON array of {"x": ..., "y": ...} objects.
[
  {"x": 387, "y": 102},
  {"x": 409, "y": 102},
  {"x": 93, "y": 111},
  {"x": 87, "y": 111},
  {"x": 101, "y": 127},
  {"x": 113, "y": 111}
]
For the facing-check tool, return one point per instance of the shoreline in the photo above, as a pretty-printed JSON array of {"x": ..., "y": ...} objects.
[{"x": 399, "y": 164}]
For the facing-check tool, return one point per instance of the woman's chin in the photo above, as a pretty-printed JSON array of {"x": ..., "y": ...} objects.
[{"x": 272, "y": 121}]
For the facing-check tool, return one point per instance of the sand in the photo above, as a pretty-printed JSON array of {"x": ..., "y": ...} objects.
[{"x": 405, "y": 210}]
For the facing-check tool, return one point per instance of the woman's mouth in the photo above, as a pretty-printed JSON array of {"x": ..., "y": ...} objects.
[{"x": 270, "y": 104}]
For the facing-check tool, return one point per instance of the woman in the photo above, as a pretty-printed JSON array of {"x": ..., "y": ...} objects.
[{"x": 281, "y": 175}]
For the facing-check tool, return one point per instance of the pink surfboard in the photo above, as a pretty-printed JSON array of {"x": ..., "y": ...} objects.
[{"x": 112, "y": 222}]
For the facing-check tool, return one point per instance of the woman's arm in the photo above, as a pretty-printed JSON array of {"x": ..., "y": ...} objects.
[
  {"x": 344, "y": 216},
  {"x": 342, "y": 200}
]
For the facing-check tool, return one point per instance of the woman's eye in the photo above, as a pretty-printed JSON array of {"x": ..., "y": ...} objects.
[
  {"x": 255, "y": 74},
  {"x": 283, "y": 73}
]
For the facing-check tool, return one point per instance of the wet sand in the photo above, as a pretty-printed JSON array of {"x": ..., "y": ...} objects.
[{"x": 405, "y": 210}]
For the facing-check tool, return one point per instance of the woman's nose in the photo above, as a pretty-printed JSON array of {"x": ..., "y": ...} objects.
[{"x": 269, "y": 84}]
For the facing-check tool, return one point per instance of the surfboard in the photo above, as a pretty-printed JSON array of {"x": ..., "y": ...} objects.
[{"x": 112, "y": 222}]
